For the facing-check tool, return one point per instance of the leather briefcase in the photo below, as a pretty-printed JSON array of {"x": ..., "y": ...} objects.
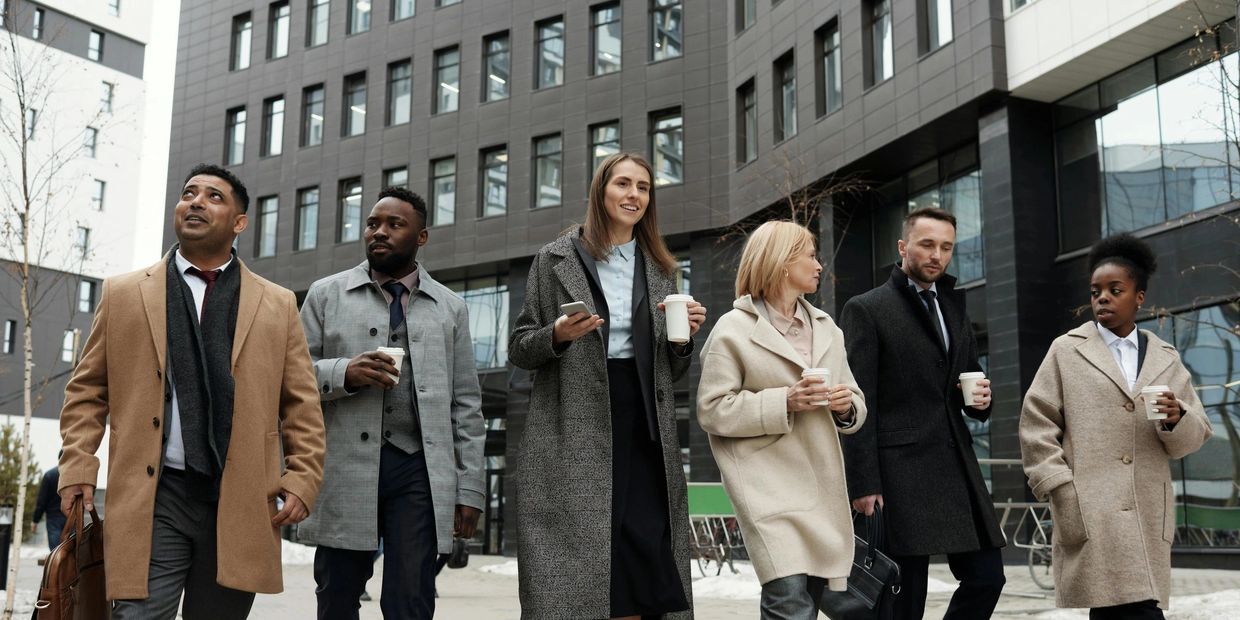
[
  {"x": 73, "y": 586},
  {"x": 873, "y": 583}
]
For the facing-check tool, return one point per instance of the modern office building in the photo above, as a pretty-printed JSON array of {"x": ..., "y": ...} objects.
[{"x": 1042, "y": 124}]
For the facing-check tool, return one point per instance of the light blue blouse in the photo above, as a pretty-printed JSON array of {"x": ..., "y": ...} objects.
[{"x": 616, "y": 277}]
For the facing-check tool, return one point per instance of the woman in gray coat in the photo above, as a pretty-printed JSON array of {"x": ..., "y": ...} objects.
[{"x": 601, "y": 504}]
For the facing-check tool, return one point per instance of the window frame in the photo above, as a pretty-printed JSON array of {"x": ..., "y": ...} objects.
[
  {"x": 541, "y": 49},
  {"x": 538, "y": 159},
  {"x": 351, "y": 125},
  {"x": 484, "y": 180},
  {"x": 272, "y": 145},
  {"x": 438, "y": 92}
]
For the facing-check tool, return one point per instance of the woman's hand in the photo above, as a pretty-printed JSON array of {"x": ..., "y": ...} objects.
[
  {"x": 804, "y": 393},
  {"x": 841, "y": 402},
  {"x": 573, "y": 326},
  {"x": 1167, "y": 403},
  {"x": 697, "y": 316}
]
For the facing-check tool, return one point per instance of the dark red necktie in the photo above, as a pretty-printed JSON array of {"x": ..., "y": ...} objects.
[{"x": 209, "y": 277}]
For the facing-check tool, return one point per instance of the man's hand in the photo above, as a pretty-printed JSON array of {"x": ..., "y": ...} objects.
[
  {"x": 466, "y": 521},
  {"x": 570, "y": 327},
  {"x": 981, "y": 394},
  {"x": 370, "y": 368},
  {"x": 865, "y": 505},
  {"x": 67, "y": 494},
  {"x": 34, "y": 527},
  {"x": 294, "y": 511}
]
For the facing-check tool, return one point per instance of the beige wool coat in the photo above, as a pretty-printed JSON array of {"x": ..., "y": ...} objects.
[
  {"x": 1087, "y": 445},
  {"x": 784, "y": 471}
]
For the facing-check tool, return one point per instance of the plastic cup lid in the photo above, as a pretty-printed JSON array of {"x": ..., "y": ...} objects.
[
  {"x": 972, "y": 375},
  {"x": 677, "y": 297}
]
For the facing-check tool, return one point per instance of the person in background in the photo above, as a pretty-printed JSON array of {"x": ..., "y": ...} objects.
[{"x": 48, "y": 503}]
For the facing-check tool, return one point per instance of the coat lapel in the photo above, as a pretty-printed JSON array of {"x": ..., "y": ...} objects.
[
  {"x": 764, "y": 333},
  {"x": 1096, "y": 352},
  {"x": 572, "y": 275},
  {"x": 154, "y": 292},
  {"x": 903, "y": 287},
  {"x": 655, "y": 287},
  {"x": 247, "y": 308},
  {"x": 1158, "y": 356},
  {"x": 822, "y": 339}
]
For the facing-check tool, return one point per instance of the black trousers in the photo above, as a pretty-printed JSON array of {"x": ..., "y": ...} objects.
[
  {"x": 407, "y": 527},
  {"x": 1144, "y": 610},
  {"x": 981, "y": 581}
]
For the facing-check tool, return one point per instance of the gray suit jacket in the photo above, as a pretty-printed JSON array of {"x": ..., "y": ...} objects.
[{"x": 346, "y": 314}]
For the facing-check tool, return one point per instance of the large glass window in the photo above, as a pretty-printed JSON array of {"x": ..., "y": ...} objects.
[
  {"x": 605, "y": 37},
  {"x": 354, "y": 105},
  {"x": 494, "y": 182},
  {"x": 234, "y": 139},
  {"x": 307, "y": 218},
  {"x": 667, "y": 144},
  {"x": 497, "y": 60},
  {"x": 268, "y": 225},
  {"x": 747, "y": 121},
  {"x": 880, "y": 48},
  {"x": 94, "y": 47},
  {"x": 447, "y": 79},
  {"x": 487, "y": 302},
  {"x": 359, "y": 16},
  {"x": 400, "y": 92},
  {"x": 242, "y": 33},
  {"x": 281, "y": 15},
  {"x": 548, "y": 168},
  {"x": 936, "y": 24},
  {"x": 402, "y": 9},
  {"x": 350, "y": 227},
  {"x": 273, "y": 127},
  {"x": 785, "y": 98},
  {"x": 666, "y": 29},
  {"x": 317, "y": 22},
  {"x": 550, "y": 59},
  {"x": 746, "y": 13},
  {"x": 86, "y": 295},
  {"x": 443, "y": 191},
  {"x": 313, "y": 99},
  {"x": 604, "y": 141},
  {"x": 830, "y": 89}
]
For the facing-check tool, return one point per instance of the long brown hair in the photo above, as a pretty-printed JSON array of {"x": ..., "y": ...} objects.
[{"x": 596, "y": 233}]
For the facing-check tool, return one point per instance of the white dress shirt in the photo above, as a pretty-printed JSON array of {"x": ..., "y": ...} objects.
[
  {"x": 615, "y": 275},
  {"x": 947, "y": 340},
  {"x": 174, "y": 452},
  {"x": 1125, "y": 351}
]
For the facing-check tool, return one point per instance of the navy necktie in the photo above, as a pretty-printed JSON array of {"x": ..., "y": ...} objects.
[
  {"x": 928, "y": 297},
  {"x": 396, "y": 310}
]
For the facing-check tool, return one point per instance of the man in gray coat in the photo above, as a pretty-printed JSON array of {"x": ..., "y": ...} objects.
[{"x": 405, "y": 433}]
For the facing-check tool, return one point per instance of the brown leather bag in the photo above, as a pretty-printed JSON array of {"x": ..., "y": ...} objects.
[{"x": 73, "y": 585}]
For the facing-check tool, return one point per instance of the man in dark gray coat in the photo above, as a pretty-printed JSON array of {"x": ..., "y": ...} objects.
[
  {"x": 908, "y": 342},
  {"x": 405, "y": 438}
]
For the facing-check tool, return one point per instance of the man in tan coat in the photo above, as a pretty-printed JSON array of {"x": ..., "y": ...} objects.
[{"x": 201, "y": 370}]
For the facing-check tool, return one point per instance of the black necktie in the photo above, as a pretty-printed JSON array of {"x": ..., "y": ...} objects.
[
  {"x": 928, "y": 297},
  {"x": 209, "y": 277},
  {"x": 396, "y": 310}
]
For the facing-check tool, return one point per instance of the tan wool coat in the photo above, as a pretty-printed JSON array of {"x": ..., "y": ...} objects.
[
  {"x": 120, "y": 382},
  {"x": 1087, "y": 445},
  {"x": 784, "y": 471}
]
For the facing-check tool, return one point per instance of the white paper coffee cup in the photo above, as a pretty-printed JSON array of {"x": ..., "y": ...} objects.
[
  {"x": 1149, "y": 394},
  {"x": 825, "y": 373},
  {"x": 676, "y": 309},
  {"x": 968, "y": 383},
  {"x": 397, "y": 354}
]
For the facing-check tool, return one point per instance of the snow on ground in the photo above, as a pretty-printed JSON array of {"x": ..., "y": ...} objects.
[
  {"x": 34, "y": 552},
  {"x": 507, "y": 569},
  {"x": 1225, "y": 604},
  {"x": 23, "y": 602},
  {"x": 740, "y": 586},
  {"x": 294, "y": 554}
]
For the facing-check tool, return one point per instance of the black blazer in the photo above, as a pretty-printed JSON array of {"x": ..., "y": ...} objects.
[{"x": 915, "y": 448}]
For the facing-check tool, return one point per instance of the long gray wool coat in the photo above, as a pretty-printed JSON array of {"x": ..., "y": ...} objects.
[
  {"x": 564, "y": 476},
  {"x": 346, "y": 314}
]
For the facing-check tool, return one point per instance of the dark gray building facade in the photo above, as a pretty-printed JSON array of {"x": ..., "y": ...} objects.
[{"x": 845, "y": 113}]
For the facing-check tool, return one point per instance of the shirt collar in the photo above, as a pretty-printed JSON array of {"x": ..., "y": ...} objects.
[
  {"x": 184, "y": 265},
  {"x": 782, "y": 323},
  {"x": 1111, "y": 338},
  {"x": 410, "y": 281},
  {"x": 934, "y": 288},
  {"x": 626, "y": 251}
]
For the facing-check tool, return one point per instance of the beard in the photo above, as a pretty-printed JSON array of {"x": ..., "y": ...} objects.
[
  {"x": 392, "y": 262},
  {"x": 918, "y": 272}
]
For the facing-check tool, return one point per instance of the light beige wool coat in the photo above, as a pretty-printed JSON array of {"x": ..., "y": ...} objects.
[
  {"x": 1087, "y": 445},
  {"x": 784, "y": 471}
]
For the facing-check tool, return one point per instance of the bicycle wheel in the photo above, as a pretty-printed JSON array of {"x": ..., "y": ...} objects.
[{"x": 1041, "y": 568}]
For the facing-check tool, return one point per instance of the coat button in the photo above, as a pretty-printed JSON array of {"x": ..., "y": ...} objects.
[
  {"x": 167, "y": 397},
  {"x": 659, "y": 395},
  {"x": 159, "y": 375},
  {"x": 365, "y": 436},
  {"x": 395, "y": 337},
  {"x": 326, "y": 388},
  {"x": 1127, "y": 459},
  {"x": 1128, "y": 407},
  {"x": 150, "y": 471},
  {"x": 155, "y": 421},
  {"x": 387, "y": 409},
  {"x": 387, "y": 433},
  {"x": 374, "y": 332},
  {"x": 952, "y": 443}
]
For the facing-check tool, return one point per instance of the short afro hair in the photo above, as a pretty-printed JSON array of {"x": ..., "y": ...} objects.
[
  {"x": 1128, "y": 252},
  {"x": 240, "y": 194},
  {"x": 404, "y": 195}
]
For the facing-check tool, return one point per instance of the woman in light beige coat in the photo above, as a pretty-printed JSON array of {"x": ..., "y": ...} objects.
[
  {"x": 774, "y": 434},
  {"x": 1087, "y": 444}
]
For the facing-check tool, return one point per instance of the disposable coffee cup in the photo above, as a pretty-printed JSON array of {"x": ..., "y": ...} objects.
[
  {"x": 968, "y": 383},
  {"x": 676, "y": 309},
  {"x": 825, "y": 373},
  {"x": 397, "y": 354},
  {"x": 1150, "y": 393}
]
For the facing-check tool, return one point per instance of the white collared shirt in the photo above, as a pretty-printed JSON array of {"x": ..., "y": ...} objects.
[
  {"x": 615, "y": 276},
  {"x": 1125, "y": 351},
  {"x": 174, "y": 452},
  {"x": 938, "y": 308}
]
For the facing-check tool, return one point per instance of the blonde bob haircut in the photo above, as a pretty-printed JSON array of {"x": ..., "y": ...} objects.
[{"x": 767, "y": 253}]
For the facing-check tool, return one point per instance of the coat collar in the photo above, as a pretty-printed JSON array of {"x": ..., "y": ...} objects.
[
  {"x": 766, "y": 336},
  {"x": 1091, "y": 345},
  {"x": 945, "y": 291},
  {"x": 360, "y": 276}
]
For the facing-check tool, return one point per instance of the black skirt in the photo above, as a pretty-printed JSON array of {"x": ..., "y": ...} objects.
[{"x": 644, "y": 577}]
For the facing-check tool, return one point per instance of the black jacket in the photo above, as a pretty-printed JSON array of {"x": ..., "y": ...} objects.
[
  {"x": 49, "y": 501},
  {"x": 915, "y": 448}
]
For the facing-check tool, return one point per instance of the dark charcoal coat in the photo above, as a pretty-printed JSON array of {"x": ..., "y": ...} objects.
[
  {"x": 915, "y": 449},
  {"x": 564, "y": 477}
]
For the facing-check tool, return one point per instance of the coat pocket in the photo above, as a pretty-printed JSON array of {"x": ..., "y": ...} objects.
[
  {"x": 897, "y": 437},
  {"x": 1169, "y": 516},
  {"x": 1069, "y": 521},
  {"x": 776, "y": 479}
]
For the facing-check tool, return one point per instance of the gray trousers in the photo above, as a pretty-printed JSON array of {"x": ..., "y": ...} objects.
[
  {"x": 794, "y": 597},
  {"x": 183, "y": 559}
]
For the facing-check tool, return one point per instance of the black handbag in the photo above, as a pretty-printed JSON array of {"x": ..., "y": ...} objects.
[
  {"x": 459, "y": 558},
  {"x": 873, "y": 583}
]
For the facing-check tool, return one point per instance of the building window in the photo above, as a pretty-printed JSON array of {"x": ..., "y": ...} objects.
[
  {"x": 830, "y": 91},
  {"x": 32, "y": 122},
  {"x": 268, "y": 224},
  {"x": 94, "y": 48},
  {"x": 550, "y": 59},
  {"x": 317, "y": 22},
  {"x": 548, "y": 168},
  {"x": 307, "y": 218},
  {"x": 273, "y": 127},
  {"x": 281, "y": 14},
  {"x": 605, "y": 35},
  {"x": 114, "y": 8},
  {"x": 442, "y": 3},
  {"x": 497, "y": 62},
  {"x": 487, "y": 300},
  {"x": 1016, "y": 4},
  {"x": 934, "y": 19},
  {"x": 312, "y": 103},
  {"x": 667, "y": 144},
  {"x": 402, "y": 9},
  {"x": 396, "y": 177},
  {"x": 879, "y": 46},
  {"x": 447, "y": 80},
  {"x": 604, "y": 142},
  {"x": 747, "y": 123},
  {"x": 359, "y": 16},
  {"x": 68, "y": 344},
  {"x": 36, "y": 27},
  {"x": 105, "y": 99},
  {"x": 86, "y": 296},
  {"x": 90, "y": 143},
  {"x": 242, "y": 33},
  {"x": 443, "y": 191},
  {"x": 494, "y": 182},
  {"x": 785, "y": 98},
  {"x": 96, "y": 196},
  {"x": 81, "y": 242},
  {"x": 350, "y": 210},
  {"x": 746, "y": 13},
  {"x": 234, "y": 138},
  {"x": 354, "y": 105},
  {"x": 10, "y": 337},
  {"x": 665, "y": 29},
  {"x": 400, "y": 92}
]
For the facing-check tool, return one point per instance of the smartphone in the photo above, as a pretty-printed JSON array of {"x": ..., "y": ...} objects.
[{"x": 574, "y": 307}]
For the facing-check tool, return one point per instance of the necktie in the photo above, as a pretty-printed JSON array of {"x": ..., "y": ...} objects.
[
  {"x": 209, "y": 277},
  {"x": 928, "y": 297},
  {"x": 396, "y": 310}
]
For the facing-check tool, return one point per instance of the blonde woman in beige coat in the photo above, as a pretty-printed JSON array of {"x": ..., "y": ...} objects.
[
  {"x": 775, "y": 434},
  {"x": 1087, "y": 444}
]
